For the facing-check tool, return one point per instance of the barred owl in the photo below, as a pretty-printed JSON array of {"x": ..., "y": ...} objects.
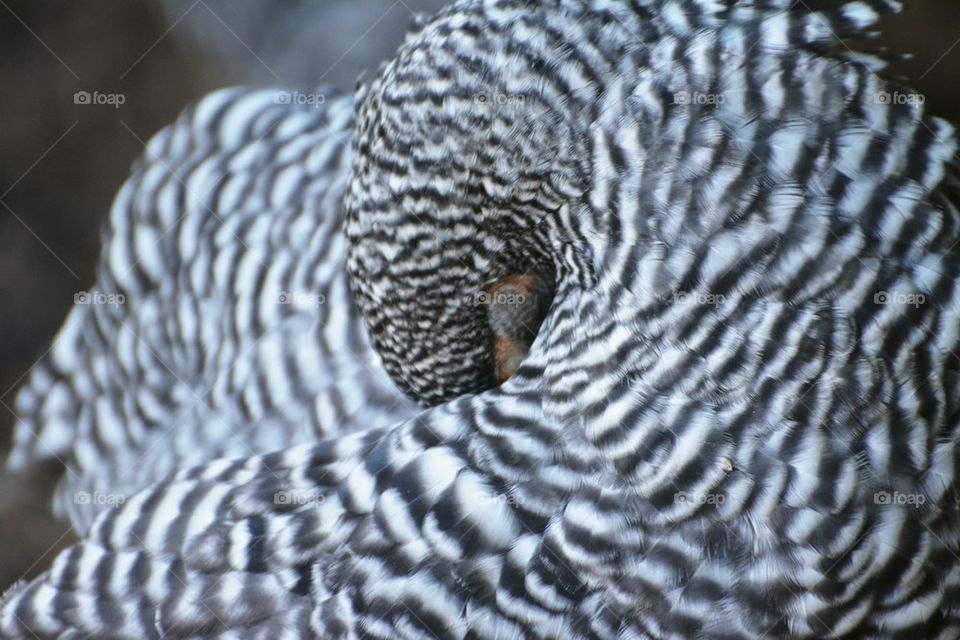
[{"x": 672, "y": 284}]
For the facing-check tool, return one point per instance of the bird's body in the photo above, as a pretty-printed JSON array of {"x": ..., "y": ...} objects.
[
  {"x": 221, "y": 322},
  {"x": 738, "y": 419}
]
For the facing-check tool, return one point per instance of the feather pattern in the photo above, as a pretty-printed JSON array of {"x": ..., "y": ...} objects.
[{"x": 221, "y": 323}]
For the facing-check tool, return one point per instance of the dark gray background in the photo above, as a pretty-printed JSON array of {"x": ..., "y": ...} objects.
[{"x": 61, "y": 163}]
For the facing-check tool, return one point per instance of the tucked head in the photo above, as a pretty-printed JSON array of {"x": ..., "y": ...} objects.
[{"x": 451, "y": 193}]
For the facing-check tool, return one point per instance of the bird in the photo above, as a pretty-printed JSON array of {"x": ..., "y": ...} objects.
[{"x": 673, "y": 285}]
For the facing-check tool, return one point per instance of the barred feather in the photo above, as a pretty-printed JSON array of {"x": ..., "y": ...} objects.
[{"x": 231, "y": 329}]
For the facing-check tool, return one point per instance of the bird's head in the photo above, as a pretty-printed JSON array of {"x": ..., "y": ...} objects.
[{"x": 459, "y": 174}]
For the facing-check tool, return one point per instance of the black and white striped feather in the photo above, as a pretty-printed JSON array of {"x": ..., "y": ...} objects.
[{"x": 220, "y": 322}]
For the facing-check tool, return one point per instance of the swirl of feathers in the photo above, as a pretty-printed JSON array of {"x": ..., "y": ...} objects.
[{"x": 774, "y": 459}]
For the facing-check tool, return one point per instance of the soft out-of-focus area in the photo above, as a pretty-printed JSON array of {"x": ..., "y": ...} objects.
[{"x": 61, "y": 160}]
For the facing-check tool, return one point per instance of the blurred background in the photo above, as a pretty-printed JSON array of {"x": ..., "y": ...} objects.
[{"x": 62, "y": 162}]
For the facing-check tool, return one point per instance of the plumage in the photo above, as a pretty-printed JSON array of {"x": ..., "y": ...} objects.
[
  {"x": 738, "y": 418},
  {"x": 229, "y": 329}
]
